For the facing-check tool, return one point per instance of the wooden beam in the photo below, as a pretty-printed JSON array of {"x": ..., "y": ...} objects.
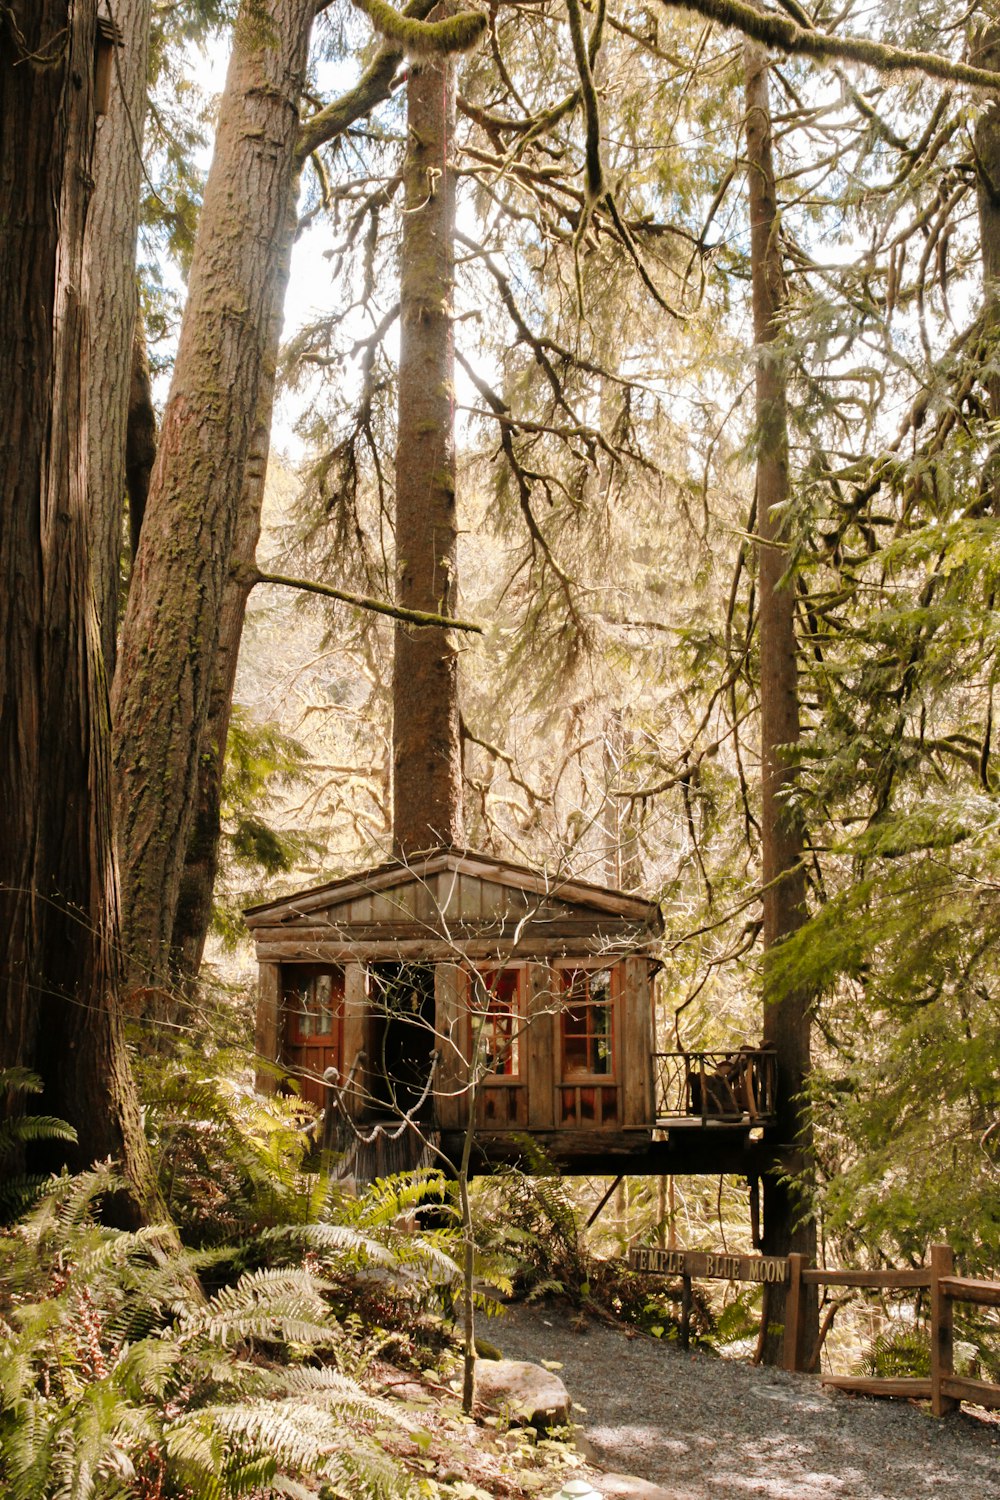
[
  {"x": 915, "y": 1388},
  {"x": 540, "y": 1046},
  {"x": 980, "y": 1392},
  {"x": 450, "y": 1089},
  {"x": 292, "y": 949},
  {"x": 596, "y": 936},
  {"x": 267, "y": 1033},
  {"x": 596, "y": 1214},
  {"x": 908, "y": 1277},
  {"x": 964, "y": 1289},
  {"x": 635, "y": 1068},
  {"x": 794, "y": 1357},
  {"x": 355, "y": 1012}
]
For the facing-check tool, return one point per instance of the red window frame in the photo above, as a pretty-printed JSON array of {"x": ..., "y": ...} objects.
[
  {"x": 502, "y": 990},
  {"x": 588, "y": 1023}
]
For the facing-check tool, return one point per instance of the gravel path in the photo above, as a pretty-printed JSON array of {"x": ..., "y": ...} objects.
[{"x": 712, "y": 1429}]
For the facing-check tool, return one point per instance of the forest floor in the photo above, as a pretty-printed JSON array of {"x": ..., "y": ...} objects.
[{"x": 704, "y": 1428}]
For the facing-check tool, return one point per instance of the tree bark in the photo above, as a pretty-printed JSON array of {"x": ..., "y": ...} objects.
[
  {"x": 786, "y": 1020},
  {"x": 173, "y": 619},
  {"x": 111, "y": 236},
  {"x": 427, "y": 765},
  {"x": 140, "y": 437},
  {"x": 193, "y": 915},
  {"x": 58, "y": 901},
  {"x": 194, "y": 906},
  {"x": 986, "y": 53}
]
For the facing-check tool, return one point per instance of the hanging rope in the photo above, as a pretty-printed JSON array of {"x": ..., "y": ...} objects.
[{"x": 383, "y": 1150}]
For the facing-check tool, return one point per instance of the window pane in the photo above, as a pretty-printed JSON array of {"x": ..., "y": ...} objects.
[
  {"x": 494, "y": 1004},
  {"x": 587, "y": 1022}
]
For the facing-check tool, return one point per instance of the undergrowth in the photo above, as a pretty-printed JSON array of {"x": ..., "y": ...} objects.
[{"x": 120, "y": 1377}]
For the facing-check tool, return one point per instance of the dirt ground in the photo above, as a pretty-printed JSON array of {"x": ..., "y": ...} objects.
[{"x": 704, "y": 1428}]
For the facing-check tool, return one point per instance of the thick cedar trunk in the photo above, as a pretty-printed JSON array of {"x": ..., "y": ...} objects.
[
  {"x": 111, "y": 235},
  {"x": 58, "y": 911},
  {"x": 786, "y": 1021},
  {"x": 173, "y": 618},
  {"x": 427, "y": 781}
]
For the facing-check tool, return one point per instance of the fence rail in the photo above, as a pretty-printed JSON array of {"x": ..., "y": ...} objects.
[{"x": 945, "y": 1389}]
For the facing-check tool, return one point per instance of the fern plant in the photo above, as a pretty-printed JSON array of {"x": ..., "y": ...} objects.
[
  {"x": 529, "y": 1224},
  {"x": 19, "y": 1189},
  {"x": 118, "y": 1379},
  {"x": 230, "y": 1162}
]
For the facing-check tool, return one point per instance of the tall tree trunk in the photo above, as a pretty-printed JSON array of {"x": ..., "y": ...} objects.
[
  {"x": 194, "y": 904},
  {"x": 58, "y": 909},
  {"x": 427, "y": 763},
  {"x": 786, "y": 1020},
  {"x": 985, "y": 53},
  {"x": 112, "y": 226},
  {"x": 193, "y": 914},
  {"x": 173, "y": 618}
]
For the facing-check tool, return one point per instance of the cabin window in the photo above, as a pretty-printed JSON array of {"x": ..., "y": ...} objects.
[
  {"x": 587, "y": 1023},
  {"x": 495, "y": 1006},
  {"x": 313, "y": 1006}
]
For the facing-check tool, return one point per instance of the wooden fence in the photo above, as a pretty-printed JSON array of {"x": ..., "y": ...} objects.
[{"x": 944, "y": 1388}]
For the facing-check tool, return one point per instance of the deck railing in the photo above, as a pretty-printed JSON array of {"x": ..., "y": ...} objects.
[{"x": 738, "y": 1086}]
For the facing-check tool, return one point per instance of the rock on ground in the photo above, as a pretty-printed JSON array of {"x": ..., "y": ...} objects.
[{"x": 529, "y": 1395}]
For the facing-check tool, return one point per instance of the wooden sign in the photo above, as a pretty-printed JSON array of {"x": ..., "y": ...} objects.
[{"x": 705, "y": 1265}]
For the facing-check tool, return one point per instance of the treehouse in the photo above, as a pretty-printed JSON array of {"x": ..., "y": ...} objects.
[{"x": 411, "y": 1001}]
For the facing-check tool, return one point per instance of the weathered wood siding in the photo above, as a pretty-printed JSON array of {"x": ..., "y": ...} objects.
[
  {"x": 636, "y": 1042},
  {"x": 450, "y": 988},
  {"x": 355, "y": 1011},
  {"x": 541, "y": 1042}
]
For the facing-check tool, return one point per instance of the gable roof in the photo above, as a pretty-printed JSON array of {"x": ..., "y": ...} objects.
[{"x": 599, "y": 900}]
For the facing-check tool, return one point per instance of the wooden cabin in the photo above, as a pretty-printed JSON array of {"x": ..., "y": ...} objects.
[{"x": 459, "y": 982}]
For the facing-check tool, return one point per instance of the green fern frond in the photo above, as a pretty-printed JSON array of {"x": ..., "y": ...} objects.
[
  {"x": 26, "y": 1130},
  {"x": 339, "y": 1239}
]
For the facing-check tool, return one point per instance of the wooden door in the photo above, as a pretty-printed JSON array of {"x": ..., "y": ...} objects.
[{"x": 313, "y": 1012}]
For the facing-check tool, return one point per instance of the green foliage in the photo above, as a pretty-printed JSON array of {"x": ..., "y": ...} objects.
[
  {"x": 899, "y": 1352},
  {"x": 118, "y": 1377},
  {"x": 262, "y": 765},
  {"x": 526, "y": 1221},
  {"x": 19, "y": 1190},
  {"x": 230, "y": 1162}
]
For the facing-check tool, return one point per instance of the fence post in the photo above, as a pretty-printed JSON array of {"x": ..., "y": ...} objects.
[
  {"x": 942, "y": 1353},
  {"x": 793, "y": 1357}
]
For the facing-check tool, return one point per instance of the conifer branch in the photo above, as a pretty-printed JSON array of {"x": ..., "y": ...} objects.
[
  {"x": 788, "y": 36},
  {"x": 418, "y": 617},
  {"x": 419, "y": 38},
  {"x": 374, "y": 86}
]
